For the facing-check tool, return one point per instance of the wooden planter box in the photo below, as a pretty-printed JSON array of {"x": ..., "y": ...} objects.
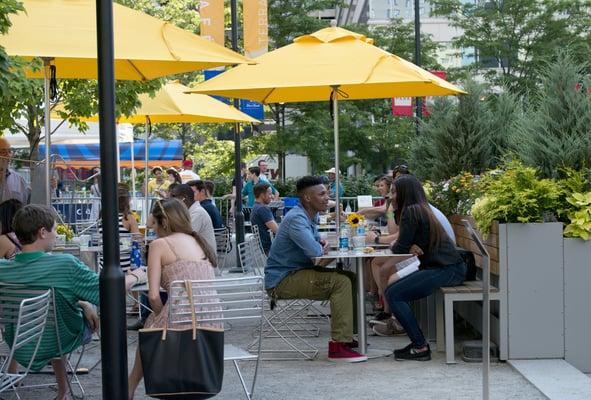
[
  {"x": 527, "y": 265},
  {"x": 577, "y": 298}
]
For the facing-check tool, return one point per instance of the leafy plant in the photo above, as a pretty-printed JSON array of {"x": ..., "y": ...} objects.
[
  {"x": 514, "y": 194},
  {"x": 580, "y": 220},
  {"x": 63, "y": 229},
  {"x": 455, "y": 195}
]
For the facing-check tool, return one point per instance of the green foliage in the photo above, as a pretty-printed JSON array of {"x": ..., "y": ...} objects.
[
  {"x": 514, "y": 194},
  {"x": 357, "y": 185},
  {"x": 287, "y": 188},
  {"x": 554, "y": 132},
  {"x": 455, "y": 195},
  {"x": 580, "y": 217},
  {"x": 463, "y": 134},
  {"x": 517, "y": 35},
  {"x": 7, "y": 7}
]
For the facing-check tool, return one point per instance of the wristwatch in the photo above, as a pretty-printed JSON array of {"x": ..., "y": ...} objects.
[{"x": 377, "y": 238}]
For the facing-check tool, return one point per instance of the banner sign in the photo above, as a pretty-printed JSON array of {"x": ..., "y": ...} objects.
[
  {"x": 404, "y": 106},
  {"x": 256, "y": 27},
  {"x": 211, "y": 13},
  {"x": 253, "y": 109}
]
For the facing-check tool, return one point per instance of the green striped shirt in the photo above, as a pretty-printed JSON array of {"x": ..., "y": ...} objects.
[{"x": 71, "y": 280}]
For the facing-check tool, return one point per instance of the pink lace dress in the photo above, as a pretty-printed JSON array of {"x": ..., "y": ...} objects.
[{"x": 181, "y": 270}]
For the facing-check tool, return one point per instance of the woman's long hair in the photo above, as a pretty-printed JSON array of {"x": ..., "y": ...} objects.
[
  {"x": 123, "y": 200},
  {"x": 173, "y": 216},
  {"x": 411, "y": 198},
  {"x": 175, "y": 174},
  {"x": 7, "y": 210}
]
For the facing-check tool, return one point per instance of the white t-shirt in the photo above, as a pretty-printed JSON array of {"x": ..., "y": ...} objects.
[
  {"x": 201, "y": 223},
  {"x": 188, "y": 175}
]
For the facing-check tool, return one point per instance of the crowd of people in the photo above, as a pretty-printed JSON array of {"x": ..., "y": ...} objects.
[{"x": 184, "y": 218}]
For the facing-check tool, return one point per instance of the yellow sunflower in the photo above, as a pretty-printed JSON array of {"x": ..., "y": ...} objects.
[{"x": 355, "y": 219}]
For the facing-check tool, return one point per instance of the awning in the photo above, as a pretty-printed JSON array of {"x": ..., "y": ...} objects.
[{"x": 165, "y": 153}]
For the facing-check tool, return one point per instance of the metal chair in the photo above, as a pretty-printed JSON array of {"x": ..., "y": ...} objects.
[
  {"x": 223, "y": 246},
  {"x": 287, "y": 322},
  {"x": 23, "y": 316},
  {"x": 221, "y": 301},
  {"x": 52, "y": 321}
]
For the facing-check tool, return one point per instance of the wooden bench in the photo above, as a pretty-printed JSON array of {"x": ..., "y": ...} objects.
[{"x": 472, "y": 291}]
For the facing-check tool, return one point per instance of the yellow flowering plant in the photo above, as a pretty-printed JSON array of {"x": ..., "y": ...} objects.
[
  {"x": 64, "y": 229},
  {"x": 354, "y": 219},
  {"x": 455, "y": 195}
]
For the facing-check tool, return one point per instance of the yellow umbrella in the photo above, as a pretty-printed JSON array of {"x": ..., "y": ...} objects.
[
  {"x": 171, "y": 104},
  {"x": 330, "y": 63},
  {"x": 310, "y": 68},
  {"x": 145, "y": 47},
  {"x": 63, "y": 33}
]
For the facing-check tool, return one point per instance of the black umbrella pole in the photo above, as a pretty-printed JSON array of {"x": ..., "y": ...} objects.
[
  {"x": 238, "y": 214},
  {"x": 111, "y": 281}
]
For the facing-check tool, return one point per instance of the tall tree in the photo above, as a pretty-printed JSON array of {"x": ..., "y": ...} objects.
[
  {"x": 554, "y": 132},
  {"x": 515, "y": 37},
  {"x": 7, "y": 7},
  {"x": 463, "y": 134}
]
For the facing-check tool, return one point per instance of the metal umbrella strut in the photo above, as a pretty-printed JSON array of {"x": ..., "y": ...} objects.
[{"x": 71, "y": 34}]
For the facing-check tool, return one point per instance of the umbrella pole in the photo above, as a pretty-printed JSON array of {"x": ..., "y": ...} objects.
[
  {"x": 335, "y": 112},
  {"x": 147, "y": 196},
  {"x": 47, "y": 121},
  {"x": 111, "y": 279},
  {"x": 132, "y": 172}
]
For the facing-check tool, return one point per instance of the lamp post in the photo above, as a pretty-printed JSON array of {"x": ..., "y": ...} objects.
[
  {"x": 418, "y": 100},
  {"x": 111, "y": 280},
  {"x": 238, "y": 215}
]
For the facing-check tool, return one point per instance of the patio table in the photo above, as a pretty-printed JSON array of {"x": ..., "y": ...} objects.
[{"x": 358, "y": 256}]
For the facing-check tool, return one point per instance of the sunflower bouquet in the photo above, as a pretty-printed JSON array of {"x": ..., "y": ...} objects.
[
  {"x": 354, "y": 219},
  {"x": 63, "y": 229}
]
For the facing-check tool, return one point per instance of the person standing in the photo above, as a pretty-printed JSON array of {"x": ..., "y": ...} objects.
[
  {"x": 332, "y": 185},
  {"x": 262, "y": 216},
  {"x": 200, "y": 220},
  {"x": 263, "y": 166},
  {"x": 203, "y": 194},
  {"x": 187, "y": 173},
  {"x": 252, "y": 178},
  {"x": 12, "y": 184},
  {"x": 157, "y": 186}
]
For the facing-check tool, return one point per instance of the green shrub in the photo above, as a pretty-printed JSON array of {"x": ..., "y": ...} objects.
[
  {"x": 514, "y": 194},
  {"x": 455, "y": 195}
]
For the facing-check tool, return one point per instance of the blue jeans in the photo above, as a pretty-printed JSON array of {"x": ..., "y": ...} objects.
[{"x": 416, "y": 286}]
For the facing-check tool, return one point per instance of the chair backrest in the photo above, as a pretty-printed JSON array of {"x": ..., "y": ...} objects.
[
  {"x": 222, "y": 240},
  {"x": 218, "y": 300},
  {"x": 248, "y": 260},
  {"x": 23, "y": 316}
]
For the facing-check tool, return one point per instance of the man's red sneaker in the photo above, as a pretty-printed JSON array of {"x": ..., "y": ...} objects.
[{"x": 338, "y": 351}]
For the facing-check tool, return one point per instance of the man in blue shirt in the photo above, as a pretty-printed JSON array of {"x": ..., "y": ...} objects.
[
  {"x": 203, "y": 194},
  {"x": 332, "y": 184},
  {"x": 252, "y": 178},
  {"x": 292, "y": 274},
  {"x": 262, "y": 216}
]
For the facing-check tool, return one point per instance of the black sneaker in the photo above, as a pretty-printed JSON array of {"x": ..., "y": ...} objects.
[
  {"x": 380, "y": 318},
  {"x": 411, "y": 353}
]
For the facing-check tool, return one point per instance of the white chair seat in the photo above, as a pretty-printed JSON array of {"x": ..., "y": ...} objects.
[{"x": 232, "y": 352}]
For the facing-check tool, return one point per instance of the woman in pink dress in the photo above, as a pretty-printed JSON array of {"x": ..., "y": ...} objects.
[{"x": 179, "y": 253}]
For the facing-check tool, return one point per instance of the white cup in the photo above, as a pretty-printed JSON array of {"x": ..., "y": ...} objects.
[{"x": 84, "y": 241}]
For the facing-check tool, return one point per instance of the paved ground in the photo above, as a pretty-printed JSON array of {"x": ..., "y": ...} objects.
[{"x": 381, "y": 378}]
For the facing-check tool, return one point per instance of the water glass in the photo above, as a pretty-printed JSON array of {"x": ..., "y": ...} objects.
[{"x": 358, "y": 242}]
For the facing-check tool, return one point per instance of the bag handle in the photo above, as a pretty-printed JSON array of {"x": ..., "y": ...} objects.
[{"x": 189, "y": 290}]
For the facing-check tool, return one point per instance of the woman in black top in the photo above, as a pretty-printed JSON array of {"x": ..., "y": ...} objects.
[{"x": 441, "y": 265}]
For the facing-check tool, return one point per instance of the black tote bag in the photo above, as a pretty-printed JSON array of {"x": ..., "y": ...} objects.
[{"x": 185, "y": 364}]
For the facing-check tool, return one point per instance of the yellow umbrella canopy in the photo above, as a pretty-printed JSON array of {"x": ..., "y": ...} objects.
[
  {"x": 171, "y": 104},
  {"x": 145, "y": 47},
  {"x": 309, "y": 69}
]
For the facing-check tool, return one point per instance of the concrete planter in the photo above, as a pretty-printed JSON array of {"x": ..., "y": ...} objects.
[
  {"x": 533, "y": 256},
  {"x": 577, "y": 298}
]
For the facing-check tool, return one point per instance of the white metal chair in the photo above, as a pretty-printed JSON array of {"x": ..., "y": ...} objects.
[
  {"x": 52, "y": 321},
  {"x": 222, "y": 301},
  {"x": 23, "y": 316},
  {"x": 287, "y": 322},
  {"x": 223, "y": 246}
]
